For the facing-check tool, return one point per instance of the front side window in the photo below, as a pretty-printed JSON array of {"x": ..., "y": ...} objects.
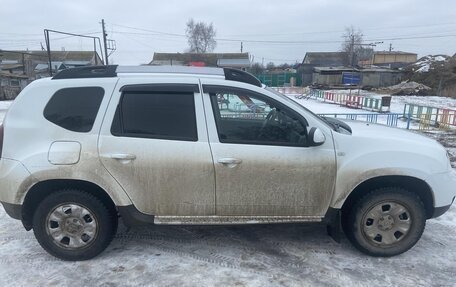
[
  {"x": 160, "y": 115},
  {"x": 74, "y": 109},
  {"x": 246, "y": 117}
]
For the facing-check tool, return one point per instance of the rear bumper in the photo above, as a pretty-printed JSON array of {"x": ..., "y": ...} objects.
[
  {"x": 15, "y": 180},
  {"x": 13, "y": 210}
]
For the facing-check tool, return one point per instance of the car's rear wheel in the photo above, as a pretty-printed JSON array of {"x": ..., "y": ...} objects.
[
  {"x": 73, "y": 225},
  {"x": 386, "y": 222}
]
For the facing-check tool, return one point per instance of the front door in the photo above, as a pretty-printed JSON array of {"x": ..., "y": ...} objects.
[
  {"x": 154, "y": 143},
  {"x": 263, "y": 163}
]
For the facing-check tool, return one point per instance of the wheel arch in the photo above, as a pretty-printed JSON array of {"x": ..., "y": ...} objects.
[
  {"x": 44, "y": 188},
  {"x": 412, "y": 184}
]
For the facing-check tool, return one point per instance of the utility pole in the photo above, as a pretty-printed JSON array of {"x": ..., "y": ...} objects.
[
  {"x": 391, "y": 47},
  {"x": 105, "y": 41},
  {"x": 48, "y": 47},
  {"x": 241, "y": 47}
]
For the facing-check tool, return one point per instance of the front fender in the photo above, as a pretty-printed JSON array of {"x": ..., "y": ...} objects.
[{"x": 349, "y": 180}]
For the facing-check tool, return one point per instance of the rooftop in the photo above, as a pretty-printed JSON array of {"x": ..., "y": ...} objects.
[
  {"x": 55, "y": 55},
  {"x": 393, "y": 53},
  {"x": 210, "y": 59},
  {"x": 343, "y": 69},
  {"x": 10, "y": 75},
  {"x": 325, "y": 58}
]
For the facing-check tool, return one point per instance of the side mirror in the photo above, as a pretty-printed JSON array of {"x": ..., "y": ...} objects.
[{"x": 316, "y": 137}]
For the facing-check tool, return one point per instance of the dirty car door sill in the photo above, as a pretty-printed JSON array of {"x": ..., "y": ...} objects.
[{"x": 221, "y": 220}]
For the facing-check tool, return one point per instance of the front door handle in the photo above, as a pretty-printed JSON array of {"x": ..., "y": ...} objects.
[{"x": 229, "y": 161}]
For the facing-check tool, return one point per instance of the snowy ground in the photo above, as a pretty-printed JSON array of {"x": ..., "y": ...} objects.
[{"x": 275, "y": 255}]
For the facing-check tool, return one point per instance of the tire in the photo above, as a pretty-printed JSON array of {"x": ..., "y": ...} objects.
[
  {"x": 386, "y": 222},
  {"x": 74, "y": 225}
]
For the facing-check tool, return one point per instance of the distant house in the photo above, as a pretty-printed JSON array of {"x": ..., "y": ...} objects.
[
  {"x": 11, "y": 85},
  {"x": 320, "y": 59},
  {"x": 232, "y": 60},
  {"x": 393, "y": 59},
  {"x": 335, "y": 76},
  {"x": 380, "y": 77},
  {"x": 35, "y": 64},
  {"x": 369, "y": 77},
  {"x": 19, "y": 68},
  {"x": 325, "y": 59},
  {"x": 12, "y": 67}
]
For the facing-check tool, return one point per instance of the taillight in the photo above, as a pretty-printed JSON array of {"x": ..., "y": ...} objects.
[{"x": 1, "y": 139}]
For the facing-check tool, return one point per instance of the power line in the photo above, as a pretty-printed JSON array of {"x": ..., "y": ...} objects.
[
  {"x": 152, "y": 31},
  {"x": 410, "y": 38},
  {"x": 267, "y": 41},
  {"x": 340, "y": 31}
]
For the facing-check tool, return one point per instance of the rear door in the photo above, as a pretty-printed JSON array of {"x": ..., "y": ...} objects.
[{"x": 154, "y": 143}]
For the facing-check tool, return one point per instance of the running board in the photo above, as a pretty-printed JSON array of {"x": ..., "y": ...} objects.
[{"x": 229, "y": 220}]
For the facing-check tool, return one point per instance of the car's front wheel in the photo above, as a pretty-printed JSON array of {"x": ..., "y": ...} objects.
[
  {"x": 386, "y": 222},
  {"x": 73, "y": 225}
]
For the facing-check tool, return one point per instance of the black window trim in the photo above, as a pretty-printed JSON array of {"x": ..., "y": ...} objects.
[
  {"x": 176, "y": 88},
  {"x": 212, "y": 89},
  {"x": 160, "y": 88}
]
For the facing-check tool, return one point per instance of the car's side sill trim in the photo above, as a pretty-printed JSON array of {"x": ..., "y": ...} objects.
[{"x": 229, "y": 220}]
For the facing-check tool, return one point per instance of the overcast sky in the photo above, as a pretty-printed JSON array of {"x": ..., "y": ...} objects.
[{"x": 141, "y": 28}]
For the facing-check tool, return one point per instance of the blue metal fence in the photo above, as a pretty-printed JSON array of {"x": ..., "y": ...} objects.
[{"x": 389, "y": 119}]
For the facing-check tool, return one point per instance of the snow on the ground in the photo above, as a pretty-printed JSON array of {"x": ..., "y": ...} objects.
[
  {"x": 431, "y": 101},
  {"x": 424, "y": 68},
  {"x": 319, "y": 107},
  {"x": 254, "y": 255},
  {"x": 397, "y": 105},
  {"x": 424, "y": 64},
  {"x": 274, "y": 255}
]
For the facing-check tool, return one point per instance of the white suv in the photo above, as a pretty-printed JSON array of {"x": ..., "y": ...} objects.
[{"x": 183, "y": 145}]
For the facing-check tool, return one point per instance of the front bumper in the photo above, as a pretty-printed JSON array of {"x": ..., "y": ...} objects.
[{"x": 443, "y": 186}]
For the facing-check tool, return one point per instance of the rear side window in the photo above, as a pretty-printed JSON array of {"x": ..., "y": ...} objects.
[
  {"x": 160, "y": 115},
  {"x": 74, "y": 109}
]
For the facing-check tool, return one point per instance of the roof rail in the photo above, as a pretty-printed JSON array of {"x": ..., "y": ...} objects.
[
  {"x": 112, "y": 70},
  {"x": 87, "y": 72},
  {"x": 241, "y": 76}
]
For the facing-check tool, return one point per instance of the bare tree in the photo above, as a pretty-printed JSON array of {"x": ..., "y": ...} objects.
[
  {"x": 365, "y": 54},
  {"x": 352, "y": 44},
  {"x": 256, "y": 69},
  {"x": 270, "y": 66},
  {"x": 200, "y": 36}
]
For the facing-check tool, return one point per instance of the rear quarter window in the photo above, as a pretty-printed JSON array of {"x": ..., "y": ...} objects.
[{"x": 74, "y": 109}]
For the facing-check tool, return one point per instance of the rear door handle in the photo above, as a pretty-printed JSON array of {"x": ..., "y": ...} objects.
[
  {"x": 229, "y": 161},
  {"x": 122, "y": 156}
]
